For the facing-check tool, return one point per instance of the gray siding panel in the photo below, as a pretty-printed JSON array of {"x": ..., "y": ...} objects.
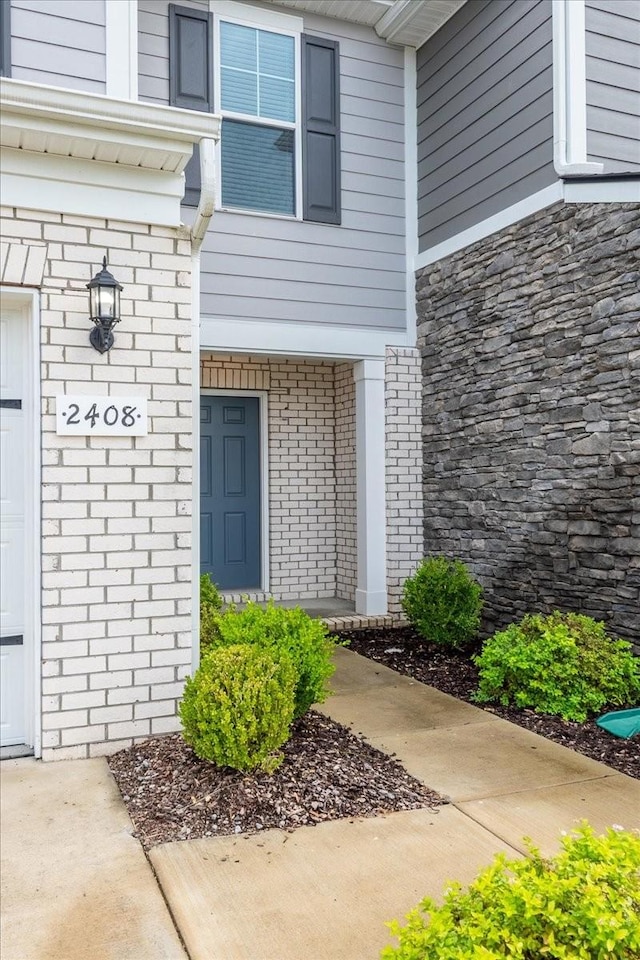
[
  {"x": 613, "y": 84},
  {"x": 61, "y": 43},
  {"x": 485, "y": 114},
  {"x": 260, "y": 267}
]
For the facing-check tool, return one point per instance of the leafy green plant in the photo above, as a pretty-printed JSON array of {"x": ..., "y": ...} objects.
[
  {"x": 443, "y": 601},
  {"x": 237, "y": 708},
  {"x": 209, "y": 594},
  {"x": 584, "y": 904},
  {"x": 562, "y": 664},
  {"x": 279, "y": 629}
]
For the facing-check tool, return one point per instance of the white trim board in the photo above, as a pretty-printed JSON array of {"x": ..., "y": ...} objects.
[
  {"x": 121, "y": 19},
  {"x": 263, "y": 405},
  {"x": 289, "y": 339},
  {"x": 602, "y": 191},
  {"x": 195, "y": 457},
  {"x": 90, "y": 187},
  {"x": 411, "y": 187}
]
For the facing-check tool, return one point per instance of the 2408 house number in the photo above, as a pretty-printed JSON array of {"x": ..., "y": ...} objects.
[{"x": 101, "y": 416}]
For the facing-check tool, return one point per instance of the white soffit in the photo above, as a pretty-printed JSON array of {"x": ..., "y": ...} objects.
[
  {"x": 86, "y": 126},
  {"x": 407, "y": 22}
]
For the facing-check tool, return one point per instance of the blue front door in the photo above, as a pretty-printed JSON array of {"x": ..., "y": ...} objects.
[{"x": 230, "y": 491}]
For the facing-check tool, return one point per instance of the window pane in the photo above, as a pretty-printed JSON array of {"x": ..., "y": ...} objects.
[
  {"x": 257, "y": 168},
  {"x": 276, "y": 99},
  {"x": 276, "y": 55},
  {"x": 239, "y": 91},
  {"x": 238, "y": 46}
]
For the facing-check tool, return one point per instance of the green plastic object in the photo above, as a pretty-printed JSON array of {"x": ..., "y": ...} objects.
[{"x": 621, "y": 723}]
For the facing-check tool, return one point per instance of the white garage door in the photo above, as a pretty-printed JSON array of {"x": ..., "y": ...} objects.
[{"x": 13, "y": 482}]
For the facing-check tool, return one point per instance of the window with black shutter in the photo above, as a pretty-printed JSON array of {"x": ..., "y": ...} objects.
[{"x": 278, "y": 143}]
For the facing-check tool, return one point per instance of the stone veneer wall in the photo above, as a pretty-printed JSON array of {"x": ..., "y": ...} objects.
[
  {"x": 405, "y": 545},
  {"x": 116, "y": 511},
  {"x": 302, "y": 482},
  {"x": 531, "y": 412}
]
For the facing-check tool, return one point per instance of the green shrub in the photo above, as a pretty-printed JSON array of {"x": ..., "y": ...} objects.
[
  {"x": 443, "y": 601},
  {"x": 291, "y": 631},
  {"x": 209, "y": 595},
  {"x": 582, "y": 905},
  {"x": 563, "y": 664},
  {"x": 237, "y": 708},
  {"x": 210, "y": 607},
  {"x": 209, "y": 631}
]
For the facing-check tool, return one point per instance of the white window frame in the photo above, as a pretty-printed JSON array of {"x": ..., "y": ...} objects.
[{"x": 257, "y": 19}]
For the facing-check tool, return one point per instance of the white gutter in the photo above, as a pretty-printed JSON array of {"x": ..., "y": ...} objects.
[
  {"x": 570, "y": 91},
  {"x": 395, "y": 19}
]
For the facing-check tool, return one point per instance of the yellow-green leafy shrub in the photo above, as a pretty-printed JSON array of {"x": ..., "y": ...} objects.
[
  {"x": 443, "y": 601},
  {"x": 209, "y": 594},
  {"x": 562, "y": 664},
  {"x": 584, "y": 904},
  {"x": 280, "y": 630},
  {"x": 237, "y": 709}
]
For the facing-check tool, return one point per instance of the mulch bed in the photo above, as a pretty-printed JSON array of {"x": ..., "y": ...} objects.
[
  {"x": 403, "y": 650},
  {"x": 327, "y": 774}
]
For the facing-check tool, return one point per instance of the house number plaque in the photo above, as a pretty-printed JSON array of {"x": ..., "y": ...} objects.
[{"x": 101, "y": 416}]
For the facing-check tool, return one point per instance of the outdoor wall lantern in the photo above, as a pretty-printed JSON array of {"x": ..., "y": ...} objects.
[{"x": 104, "y": 306}]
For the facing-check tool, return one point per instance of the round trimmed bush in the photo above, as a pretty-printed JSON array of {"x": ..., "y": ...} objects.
[
  {"x": 584, "y": 904},
  {"x": 443, "y": 602},
  {"x": 237, "y": 708},
  {"x": 563, "y": 664},
  {"x": 280, "y": 630}
]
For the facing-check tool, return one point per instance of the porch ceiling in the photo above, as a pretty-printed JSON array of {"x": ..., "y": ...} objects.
[{"x": 407, "y": 22}]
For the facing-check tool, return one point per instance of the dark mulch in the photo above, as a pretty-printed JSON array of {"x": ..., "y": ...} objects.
[
  {"x": 403, "y": 650},
  {"x": 327, "y": 774}
]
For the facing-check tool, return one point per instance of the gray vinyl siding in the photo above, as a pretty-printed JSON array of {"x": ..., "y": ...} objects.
[
  {"x": 261, "y": 267},
  {"x": 485, "y": 114},
  {"x": 59, "y": 42},
  {"x": 613, "y": 84}
]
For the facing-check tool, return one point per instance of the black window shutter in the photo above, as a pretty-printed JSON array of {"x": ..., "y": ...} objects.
[
  {"x": 321, "y": 129},
  {"x": 190, "y": 76},
  {"x": 5, "y": 38}
]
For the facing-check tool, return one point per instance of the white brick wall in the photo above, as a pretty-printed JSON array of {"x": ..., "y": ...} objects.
[
  {"x": 302, "y": 484},
  {"x": 312, "y": 485},
  {"x": 403, "y": 403},
  {"x": 115, "y": 511}
]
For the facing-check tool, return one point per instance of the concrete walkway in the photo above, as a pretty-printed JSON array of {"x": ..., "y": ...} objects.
[{"x": 76, "y": 885}]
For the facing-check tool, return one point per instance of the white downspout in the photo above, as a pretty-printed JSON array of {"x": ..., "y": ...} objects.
[
  {"x": 203, "y": 216},
  {"x": 207, "y": 194},
  {"x": 570, "y": 91}
]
